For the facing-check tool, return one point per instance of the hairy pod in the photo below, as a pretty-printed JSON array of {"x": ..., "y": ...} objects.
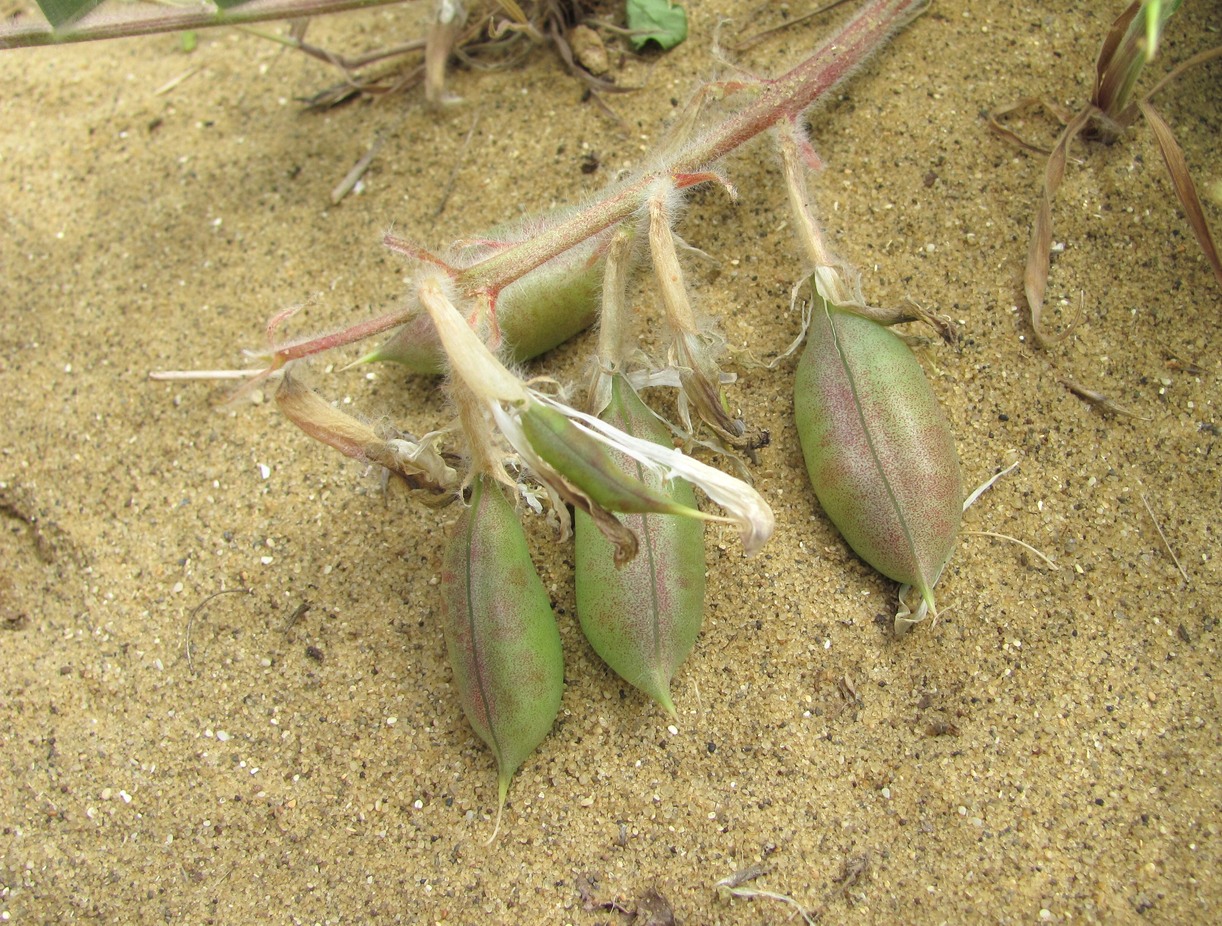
[
  {"x": 500, "y": 632},
  {"x": 642, "y": 618},
  {"x": 542, "y": 310},
  {"x": 879, "y": 451}
]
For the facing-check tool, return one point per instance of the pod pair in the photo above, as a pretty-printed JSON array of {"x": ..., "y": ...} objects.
[
  {"x": 500, "y": 632},
  {"x": 642, "y": 618},
  {"x": 878, "y": 449}
]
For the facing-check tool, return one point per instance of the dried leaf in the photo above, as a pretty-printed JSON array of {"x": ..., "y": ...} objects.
[
  {"x": 1181, "y": 179},
  {"x": 1098, "y": 399},
  {"x": 418, "y": 463},
  {"x": 1113, "y": 69},
  {"x": 653, "y": 910},
  {"x": 1028, "y": 102},
  {"x": 1035, "y": 279}
]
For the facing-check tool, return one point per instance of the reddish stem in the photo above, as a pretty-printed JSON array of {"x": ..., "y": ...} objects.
[
  {"x": 786, "y": 97},
  {"x": 410, "y": 249},
  {"x": 678, "y": 167},
  {"x": 295, "y": 350}
]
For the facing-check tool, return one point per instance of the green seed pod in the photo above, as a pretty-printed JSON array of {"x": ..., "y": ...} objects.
[
  {"x": 643, "y": 618},
  {"x": 500, "y": 632},
  {"x": 878, "y": 449},
  {"x": 542, "y": 310}
]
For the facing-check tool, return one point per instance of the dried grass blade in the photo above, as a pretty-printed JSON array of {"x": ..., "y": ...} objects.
[
  {"x": 1158, "y": 527},
  {"x": 1199, "y": 58},
  {"x": 994, "y": 123},
  {"x": 1114, "y": 70},
  {"x": 353, "y": 177},
  {"x": 173, "y": 82},
  {"x": 1181, "y": 179},
  {"x": 514, "y": 11},
  {"x": 1026, "y": 546},
  {"x": 1035, "y": 279},
  {"x": 1098, "y": 399}
]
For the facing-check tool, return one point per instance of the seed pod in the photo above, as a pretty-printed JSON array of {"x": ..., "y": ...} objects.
[
  {"x": 542, "y": 310},
  {"x": 642, "y": 618},
  {"x": 500, "y": 632},
  {"x": 878, "y": 449}
]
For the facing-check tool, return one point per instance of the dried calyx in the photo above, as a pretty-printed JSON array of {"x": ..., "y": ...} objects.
[{"x": 569, "y": 450}]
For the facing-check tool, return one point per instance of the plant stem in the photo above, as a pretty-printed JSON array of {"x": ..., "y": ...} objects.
[
  {"x": 791, "y": 94},
  {"x": 810, "y": 235},
  {"x": 116, "y": 20},
  {"x": 784, "y": 98}
]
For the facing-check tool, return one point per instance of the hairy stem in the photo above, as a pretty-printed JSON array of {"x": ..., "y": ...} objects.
[
  {"x": 115, "y": 20},
  {"x": 784, "y": 98},
  {"x": 810, "y": 235}
]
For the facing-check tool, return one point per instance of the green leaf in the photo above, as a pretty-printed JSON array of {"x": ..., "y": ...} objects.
[
  {"x": 1156, "y": 18},
  {"x": 656, "y": 21},
  {"x": 59, "y": 12}
]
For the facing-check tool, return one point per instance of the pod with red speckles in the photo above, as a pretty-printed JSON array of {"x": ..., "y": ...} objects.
[
  {"x": 643, "y": 617},
  {"x": 878, "y": 448},
  {"x": 500, "y": 632}
]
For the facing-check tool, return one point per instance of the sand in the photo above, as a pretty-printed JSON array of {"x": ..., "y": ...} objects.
[{"x": 1047, "y": 752}]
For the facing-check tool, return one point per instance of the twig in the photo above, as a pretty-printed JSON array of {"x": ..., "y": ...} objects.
[
  {"x": 1098, "y": 399},
  {"x": 347, "y": 65},
  {"x": 760, "y": 36},
  {"x": 1158, "y": 527},
  {"x": 196, "y": 610},
  {"x": 353, "y": 177},
  {"x": 177, "y": 375},
  {"x": 175, "y": 81},
  {"x": 462, "y": 154},
  {"x": 1026, "y": 546},
  {"x": 298, "y": 613},
  {"x": 115, "y": 20}
]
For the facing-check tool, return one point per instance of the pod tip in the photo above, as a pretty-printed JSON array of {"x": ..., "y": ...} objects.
[{"x": 662, "y": 696}]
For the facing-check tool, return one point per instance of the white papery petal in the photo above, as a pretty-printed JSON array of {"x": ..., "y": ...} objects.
[
  {"x": 511, "y": 427},
  {"x": 668, "y": 376},
  {"x": 425, "y": 456},
  {"x": 744, "y": 506}
]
